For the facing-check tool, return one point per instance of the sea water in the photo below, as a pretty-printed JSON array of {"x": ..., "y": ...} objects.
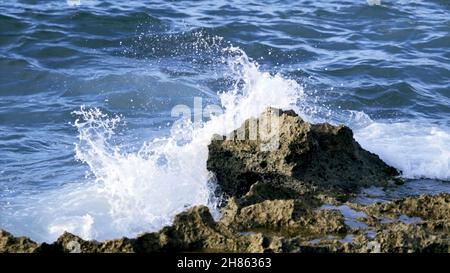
[{"x": 91, "y": 141}]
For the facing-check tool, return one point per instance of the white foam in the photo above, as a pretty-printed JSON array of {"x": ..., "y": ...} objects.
[
  {"x": 140, "y": 192},
  {"x": 81, "y": 225},
  {"x": 418, "y": 149}
]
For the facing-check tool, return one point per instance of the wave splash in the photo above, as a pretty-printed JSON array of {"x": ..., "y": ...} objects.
[
  {"x": 142, "y": 191},
  {"x": 135, "y": 192}
]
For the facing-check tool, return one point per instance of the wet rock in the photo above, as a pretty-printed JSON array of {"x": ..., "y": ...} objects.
[
  {"x": 11, "y": 244},
  {"x": 291, "y": 153},
  {"x": 123, "y": 245},
  {"x": 196, "y": 230},
  {"x": 277, "y": 226},
  {"x": 192, "y": 229},
  {"x": 426, "y": 206},
  {"x": 287, "y": 217},
  {"x": 408, "y": 238},
  {"x": 412, "y": 224},
  {"x": 426, "y": 229}
]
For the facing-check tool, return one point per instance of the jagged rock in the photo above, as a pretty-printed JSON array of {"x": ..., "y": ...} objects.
[
  {"x": 191, "y": 229},
  {"x": 70, "y": 243},
  {"x": 277, "y": 226},
  {"x": 74, "y": 244},
  {"x": 196, "y": 230},
  {"x": 412, "y": 224},
  {"x": 11, "y": 244},
  {"x": 123, "y": 245},
  {"x": 293, "y": 154}
]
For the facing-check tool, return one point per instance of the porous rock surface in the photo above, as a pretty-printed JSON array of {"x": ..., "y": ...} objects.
[{"x": 295, "y": 155}]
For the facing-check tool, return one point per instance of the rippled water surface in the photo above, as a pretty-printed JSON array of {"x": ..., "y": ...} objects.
[{"x": 87, "y": 139}]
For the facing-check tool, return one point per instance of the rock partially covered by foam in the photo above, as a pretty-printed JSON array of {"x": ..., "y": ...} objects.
[{"x": 280, "y": 148}]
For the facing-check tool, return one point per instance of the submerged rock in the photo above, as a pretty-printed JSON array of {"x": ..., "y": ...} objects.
[{"x": 281, "y": 148}]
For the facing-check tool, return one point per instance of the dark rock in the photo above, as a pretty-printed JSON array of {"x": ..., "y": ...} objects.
[
  {"x": 11, "y": 244},
  {"x": 123, "y": 245},
  {"x": 296, "y": 155},
  {"x": 73, "y": 244}
]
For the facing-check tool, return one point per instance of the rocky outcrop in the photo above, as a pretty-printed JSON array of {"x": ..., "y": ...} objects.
[
  {"x": 11, "y": 244},
  {"x": 288, "y": 192},
  {"x": 279, "y": 226},
  {"x": 281, "y": 149}
]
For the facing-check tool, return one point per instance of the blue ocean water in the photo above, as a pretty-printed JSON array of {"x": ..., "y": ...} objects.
[{"x": 89, "y": 142}]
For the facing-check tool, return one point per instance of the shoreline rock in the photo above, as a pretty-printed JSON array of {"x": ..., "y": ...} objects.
[
  {"x": 294, "y": 198},
  {"x": 11, "y": 244},
  {"x": 278, "y": 226},
  {"x": 294, "y": 155}
]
